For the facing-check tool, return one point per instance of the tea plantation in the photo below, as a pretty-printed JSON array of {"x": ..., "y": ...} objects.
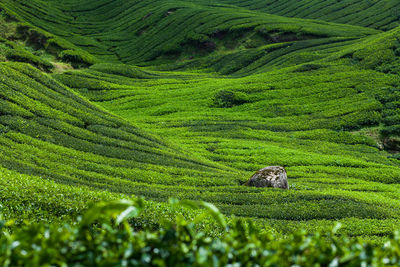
[{"x": 103, "y": 100}]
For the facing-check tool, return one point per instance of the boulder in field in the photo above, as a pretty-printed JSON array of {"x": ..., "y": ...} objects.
[{"x": 272, "y": 176}]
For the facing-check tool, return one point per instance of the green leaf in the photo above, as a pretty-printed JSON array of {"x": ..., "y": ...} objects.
[
  {"x": 130, "y": 212},
  {"x": 189, "y": 204},
  {"x": 336, "y": 228},
  {"x": 107, "y": 210},
  {"x": 215, "y": 213}
]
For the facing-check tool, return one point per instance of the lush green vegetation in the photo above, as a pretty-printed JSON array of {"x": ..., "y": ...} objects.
[
  {"x": 368, "y": 13},
  {"x": 135, "y": 31},
  {"x": 104, "y": 100},
  {"x": 96, "y": 240},
  {"x": 391, "y": 120}
]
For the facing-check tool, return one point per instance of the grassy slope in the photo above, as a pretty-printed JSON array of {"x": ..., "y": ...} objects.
[
  {"x": 108, "y": 30},
  {"x": 304, "y": 94},
  {"x": 375, "y": 14},
  {"x": 49, "y": 130},
  {"x": 334, "y": 175}
]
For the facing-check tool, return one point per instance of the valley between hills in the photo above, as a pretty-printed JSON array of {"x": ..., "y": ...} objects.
[{"x": 105, "y": 100}]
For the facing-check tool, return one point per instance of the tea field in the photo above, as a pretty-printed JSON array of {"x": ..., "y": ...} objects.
[{"x": 103, "y": 100}]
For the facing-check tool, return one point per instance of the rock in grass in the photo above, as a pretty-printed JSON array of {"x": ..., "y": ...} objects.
[{"x": 272, "y": 176}]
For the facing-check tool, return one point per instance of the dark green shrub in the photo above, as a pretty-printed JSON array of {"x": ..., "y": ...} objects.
[
  {"x": 53, "y": 46},
  {"x": 228, "y": 99},
  {"x": 392, "y": 120},
  {"x": 31, "y": 35},
  {"x": 4, "y": 129},
  {"x": 391, "y": 130},
  {"x": 7, "y": 28},
  {"x": 395, "y": 156}
]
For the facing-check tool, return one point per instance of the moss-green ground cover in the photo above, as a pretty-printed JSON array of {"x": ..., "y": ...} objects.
[{"x": 221, "y": 90}]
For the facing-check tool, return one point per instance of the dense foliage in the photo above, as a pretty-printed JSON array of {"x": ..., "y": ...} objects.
[
  {"x": 135, "y": 31},
  {"x": 104, "y": 237},
  {"x": 220, "y": 89},
  {"x": 228, "y": 99}
]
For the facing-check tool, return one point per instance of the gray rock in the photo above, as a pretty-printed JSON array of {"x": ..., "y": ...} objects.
[{"x": 272, "y": 176}]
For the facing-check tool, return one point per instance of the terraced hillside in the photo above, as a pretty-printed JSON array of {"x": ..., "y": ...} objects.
[
  {"x": 47, "y": 129},
  {"x": 326, "y": 167},
  {"x": 219, "y": 91},
  {"x": 382, "y": 15},
  {"x": 135, "y": 31}
]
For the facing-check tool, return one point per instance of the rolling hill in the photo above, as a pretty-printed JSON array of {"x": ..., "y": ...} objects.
[
  {"x": 187, "y": 99},
  {"x": 382, "y": 15}
]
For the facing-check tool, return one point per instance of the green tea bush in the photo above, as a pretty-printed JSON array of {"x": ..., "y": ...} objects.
[
  {"x": 77, "y": 58},
  {"x": 32, "y": 35},
  {"x": 103, "y": 236},
  {"x": 294, "y": 118},
  {"x": 7, "y": 28},
  {"x": 228, "y": 99},
  {"x": 123, "y": 70},
  {"x": 390, "y": 132},
  {"x": 20, "y": 55},
  {"x": 13, "y": 51},
  {"x": 395, "y": 156},
  {"x": 308, "y": 67}
]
